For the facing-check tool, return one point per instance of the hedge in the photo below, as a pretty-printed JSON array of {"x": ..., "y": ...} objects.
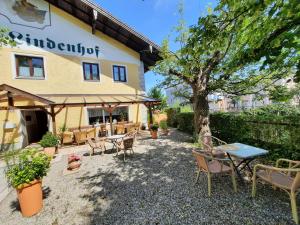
[{"x": 277, "y": 132}]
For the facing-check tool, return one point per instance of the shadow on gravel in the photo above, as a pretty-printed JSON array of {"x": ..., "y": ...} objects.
[{"x": 156, "y": 187}]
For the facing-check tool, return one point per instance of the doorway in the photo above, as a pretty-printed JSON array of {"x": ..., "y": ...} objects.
[{"x": 36, "y": 124}]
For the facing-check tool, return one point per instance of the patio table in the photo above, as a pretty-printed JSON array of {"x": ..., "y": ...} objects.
[
  {"x": 114, "y": 139},
  {"x": 246, "y": 153}
]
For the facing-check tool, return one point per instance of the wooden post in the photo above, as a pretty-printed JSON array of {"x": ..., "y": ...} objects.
[
  {"x": 150, "y": 114},
  {"x": 137, "y": 113},
  {"x": 53, "y": 120},
  {"x": 110, "y": 121}
]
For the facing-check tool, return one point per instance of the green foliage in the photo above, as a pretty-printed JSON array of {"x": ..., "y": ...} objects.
[
  {"x": 171, "y": 116},
  {"x": 157, "y": 93},
  {"x": 154, "y": 127},
  {"x": 275, "y": 128},
  {"x": 49, "y": 140},
  {"x": 163, "y": 124},
  {"x": 63, "y": 128},
  {"x": 31, "y": 165},
  {"x": 5, "y": 39},
  {"x": 185, "y": 122}
]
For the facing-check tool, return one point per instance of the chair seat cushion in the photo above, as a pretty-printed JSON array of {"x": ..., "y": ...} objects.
[
  {"x": 215, "y": 166},
  {"x": 276, "y": 178}
]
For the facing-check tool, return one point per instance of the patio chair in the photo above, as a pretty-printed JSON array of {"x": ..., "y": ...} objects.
[
  {"x": 125, "y": 145},
  {"x": 210, "y": 144},
  {"x": 287, "y": 179},
  {"x": 120, "y": 129},
  {"x": 80, "y": 136},
  {"x": 103, "y": 131},
  {"x": 96, "y": 143},
  {"x": 67, "y": 137},
  {"x": 90, "y": 133},
  {"x": 211, "y": 165},
  {"x": 132, "y": 134}
]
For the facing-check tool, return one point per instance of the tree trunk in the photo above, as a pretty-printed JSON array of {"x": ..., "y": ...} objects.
[{"x": 201, "y": 115}]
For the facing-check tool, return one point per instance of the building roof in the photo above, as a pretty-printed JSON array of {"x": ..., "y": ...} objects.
[
  {"x": 15, "y": 98},
  {"x": 106, "y": 23}
]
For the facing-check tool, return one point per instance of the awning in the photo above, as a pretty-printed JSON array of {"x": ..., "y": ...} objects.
[{"x": 11, "y": 97}]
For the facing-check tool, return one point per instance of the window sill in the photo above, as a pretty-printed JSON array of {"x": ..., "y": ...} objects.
[
  {"x": 30, "y": 78},
  {"x": 93, "y": 81}
]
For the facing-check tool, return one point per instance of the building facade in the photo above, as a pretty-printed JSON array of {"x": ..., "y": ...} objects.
[{"x": 68, "y": 48}]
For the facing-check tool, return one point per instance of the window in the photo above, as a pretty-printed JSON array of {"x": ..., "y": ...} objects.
[
  {"x": 119, "y": 73},
  {"x": 30, "y": 67},
  {"x": 99, "y": 115},
  {"x": 91, "y": 71}
]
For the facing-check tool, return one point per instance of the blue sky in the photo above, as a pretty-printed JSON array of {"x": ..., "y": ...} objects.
[{"x": 155, "y": 19}]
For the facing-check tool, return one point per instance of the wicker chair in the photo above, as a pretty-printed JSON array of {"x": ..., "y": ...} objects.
[
  {"x": 210, "y": 166},
  {"x": 103, "y": 131},
  {"x": 80, "y": 136},
  {"x": 96, "y": 143},
  {"x": 90, "y": 133},
  {"x": 120, "y": 129},
  {"x": 287, "y": 179},
  {"x": 125, "y": 145},
  {"x": 210, "y": 144},
  {"x": 67, "y": 137}
]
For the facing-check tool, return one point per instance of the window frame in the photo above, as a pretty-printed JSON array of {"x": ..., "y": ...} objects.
[
  {"x": 31, "y": 68},
  {"x": 119, "y": 74},
  {"x": 91, "y": 75}
]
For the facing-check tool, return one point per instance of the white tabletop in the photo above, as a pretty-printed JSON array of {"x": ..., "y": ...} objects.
[{"x": 116, "y": 136}]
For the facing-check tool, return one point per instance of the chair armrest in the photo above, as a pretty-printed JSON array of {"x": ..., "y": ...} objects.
[
  {"x": 219, "y": 140},
  {"x": 272, "y": 168}
]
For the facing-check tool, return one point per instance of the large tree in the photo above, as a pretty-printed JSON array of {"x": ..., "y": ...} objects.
[{"x": 240, "y": 47}]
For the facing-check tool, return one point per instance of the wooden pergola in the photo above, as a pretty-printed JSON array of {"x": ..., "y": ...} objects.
[{"x": 52, "y": 104}]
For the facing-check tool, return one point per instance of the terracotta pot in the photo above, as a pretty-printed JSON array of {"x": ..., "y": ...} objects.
[
  {"x": 50, "y": 151},
  {"x": 30, "y": 198},
  {"x": 154, "y": 134},
  {"x": 74, "y": 165}
]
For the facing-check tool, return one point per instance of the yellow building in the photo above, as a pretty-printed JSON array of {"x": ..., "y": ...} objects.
[{"x": 73, "y": 63}]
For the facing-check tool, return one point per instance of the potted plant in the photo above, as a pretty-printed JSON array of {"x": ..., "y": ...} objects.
[
  {"x": 164, "y": 127},
  {"x": 49, "y": 142},
  {"x": 153, "y": 130},
  {"x": 26, "y": 177}
]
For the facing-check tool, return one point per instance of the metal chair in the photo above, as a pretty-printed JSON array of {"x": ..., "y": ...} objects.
[
  {"x": 211, "y": 165},
  {"x": 287, "y": 179}
]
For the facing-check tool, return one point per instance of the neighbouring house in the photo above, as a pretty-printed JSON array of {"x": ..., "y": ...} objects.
[{"x": 74, "y": 65}]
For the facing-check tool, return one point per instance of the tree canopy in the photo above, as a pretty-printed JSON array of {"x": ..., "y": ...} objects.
[
  {"x": 157, "y": 93},
  {"x": 240, "y": 47}
]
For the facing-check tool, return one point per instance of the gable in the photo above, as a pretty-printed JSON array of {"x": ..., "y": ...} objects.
[{"x": 58, "y": 32}]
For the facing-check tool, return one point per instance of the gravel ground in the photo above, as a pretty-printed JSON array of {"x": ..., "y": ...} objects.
[{"x": 154, "y": 186}]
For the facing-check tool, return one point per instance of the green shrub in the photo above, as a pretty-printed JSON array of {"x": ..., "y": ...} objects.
[
  {"x": 163, "y": 124},
  {"x": 172, "y": 117},
  {"x": 49, "y": 140},
  {"x": 186, "y": 122},
  {"x": 31, "y": 165}
]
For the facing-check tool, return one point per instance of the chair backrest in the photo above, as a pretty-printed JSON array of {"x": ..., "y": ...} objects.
[
  {"x": 207, "y": 143},
  {"x": 91, "y": 143},
  {"x": 128, "y": 142},
  {"x": 91, "y": 133},
  {"x": 201, "y": 161},
  {"x": 120, "y": 129}
]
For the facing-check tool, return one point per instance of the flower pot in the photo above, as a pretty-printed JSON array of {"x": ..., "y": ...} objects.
[
  {"x": 74, "y": 165},
  {"x": 30, "y": 198},
  {"x": 49, "y": 151},
  {"x": 154, "y": 134}
]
